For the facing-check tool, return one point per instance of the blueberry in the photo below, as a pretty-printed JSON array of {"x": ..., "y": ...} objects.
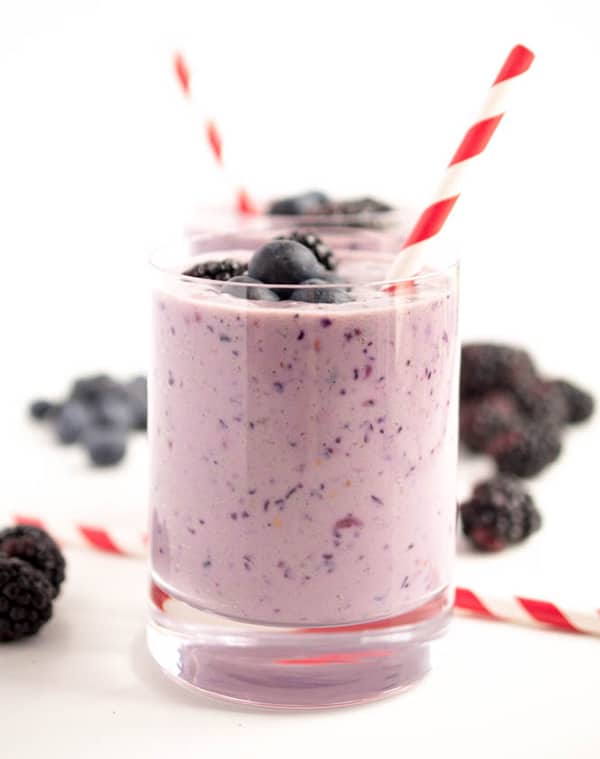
[
  {"x": 91, "y": 389},
  {"x": 113, "y": 411},
  {"x": 105, "y": 445},
  {"x": 284, "y": 262},
  {"x": 137, "y": 394},
  {"x": 313, "y": 202},
  {"x": 42, "y": 409},
  {"x": 331, "y": 277},
  {"x": 323, "y": 253},
  {"x": 251, "y": 292},
  {"x": 72, "y": 419},
  {"x": 320, "y": 294},
  {"x": 362, "y": 205}
]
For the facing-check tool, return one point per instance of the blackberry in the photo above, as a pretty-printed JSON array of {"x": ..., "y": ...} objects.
[
  {"x": 361, "y": 205},
  {"x": 580, "y": 405},
  {"x": 37, "y": 548},
  {"x": 543, "y": 402},
  {"x": 25, "y": 599},
  {"x": 218, "y": 270},
  {"x": 525, "y": 451},
  {"x": 324, "y": 255},
  {"x": 485, "y": 366},
  {"x": 500, "y": 513},
  {"x": 482, "y": 419}
]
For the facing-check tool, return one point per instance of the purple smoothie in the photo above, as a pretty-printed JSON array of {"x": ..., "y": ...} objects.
[{"x": 304, "y": 455}]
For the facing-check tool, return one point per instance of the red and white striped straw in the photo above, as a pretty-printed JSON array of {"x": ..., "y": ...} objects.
[
  {"x": 528, "y": 611},
  {"x": 474, "y": 142},
  {"x": 243, "y": 201},
  {"x": 123, "y": 542},
  {"x": 516, "y": 609}
]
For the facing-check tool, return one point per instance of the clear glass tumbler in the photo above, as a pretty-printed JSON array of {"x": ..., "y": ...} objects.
[{"x": 303, "y": 475}]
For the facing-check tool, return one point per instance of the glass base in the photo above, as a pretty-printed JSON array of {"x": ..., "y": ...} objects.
[{"x": 293, "y": 667}]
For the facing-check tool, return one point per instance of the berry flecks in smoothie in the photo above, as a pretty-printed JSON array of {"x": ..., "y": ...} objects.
[{"x": 299, "y": 450}]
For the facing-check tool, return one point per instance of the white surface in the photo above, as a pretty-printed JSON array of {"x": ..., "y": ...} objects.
[
  {"x": 97, "y": 160},
  {"x": 87, "y": 689}
]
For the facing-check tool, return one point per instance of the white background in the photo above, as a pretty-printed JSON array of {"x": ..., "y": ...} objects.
[{"x": 100, "y": 157}]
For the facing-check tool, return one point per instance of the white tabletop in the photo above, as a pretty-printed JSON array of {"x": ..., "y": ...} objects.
[
  {"x": 87, "y": 688},
  {"x": 98, "y": 157}
]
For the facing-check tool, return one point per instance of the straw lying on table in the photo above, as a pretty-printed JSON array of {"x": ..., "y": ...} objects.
[
  {"x": 243, "y": 202},
  {"x": 515, "y": 609},
  {"x": 85, "y": 535},
  {"x": 430, "y": 222},
  {"x": 527, "y": 611}
]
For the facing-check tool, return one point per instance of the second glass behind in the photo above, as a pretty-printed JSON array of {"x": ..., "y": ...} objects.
[{"x": 304, "y": 455}]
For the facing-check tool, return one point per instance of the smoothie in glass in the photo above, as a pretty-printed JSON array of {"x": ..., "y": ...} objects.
[{"x": 304, "y": 452}]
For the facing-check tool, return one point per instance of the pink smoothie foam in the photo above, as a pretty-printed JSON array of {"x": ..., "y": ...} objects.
[{"x": 304, "y": 455}]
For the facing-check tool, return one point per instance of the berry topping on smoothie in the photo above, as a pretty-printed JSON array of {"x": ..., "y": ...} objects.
[
  {"x": 323, "y": 253},
  {"x": 284, "y": 262},
  {"x": 254, "y": 291},
  {"x": 299, "y": 258},
  {"x": 219, "y": 270},
  {"x": 325, "y": 294}
]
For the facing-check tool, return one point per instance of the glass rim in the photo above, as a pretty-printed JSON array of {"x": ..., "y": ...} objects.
[{"x": 447, "y": 268}]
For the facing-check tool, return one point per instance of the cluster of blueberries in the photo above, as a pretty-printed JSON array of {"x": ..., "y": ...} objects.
[
  {"x": 299, "y": 259},
  {"x": 98, "y": 413},
  {"x": 511, "y": 413}
]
